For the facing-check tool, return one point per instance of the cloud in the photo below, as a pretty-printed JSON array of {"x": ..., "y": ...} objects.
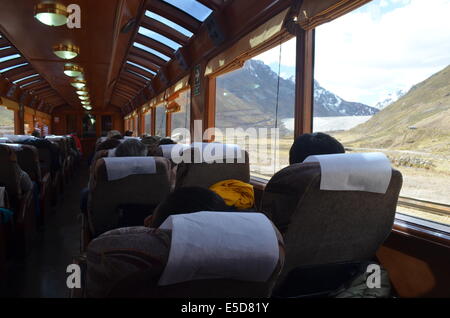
[{"x": 382, "y": 47}]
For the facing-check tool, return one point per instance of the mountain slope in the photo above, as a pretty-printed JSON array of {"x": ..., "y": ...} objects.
[
  {"x": 255, "y": 86},
  {"x": 419, "y": 121}
]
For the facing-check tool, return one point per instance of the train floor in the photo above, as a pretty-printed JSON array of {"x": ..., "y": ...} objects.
[{"x": 43, "y": 272}]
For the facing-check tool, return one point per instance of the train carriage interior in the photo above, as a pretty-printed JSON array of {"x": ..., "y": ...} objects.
[{"x": 269, "y": 149}]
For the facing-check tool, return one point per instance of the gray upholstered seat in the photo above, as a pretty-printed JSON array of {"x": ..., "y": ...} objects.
[
  {"x": 105, "y": 197},
  {"x": 322, "y": 227}
]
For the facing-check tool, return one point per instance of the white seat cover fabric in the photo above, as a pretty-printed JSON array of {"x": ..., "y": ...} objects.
[
  {"x": 173, "y": 150},
  {"x": 214, "y": 245},
  {"x": 369, "y": 172},
  {"x": 217, "y": 152},
  {"x": 4, "y": 140},
  {"x": 122, "y": 167},
  {"x": 112, "y": 152}
]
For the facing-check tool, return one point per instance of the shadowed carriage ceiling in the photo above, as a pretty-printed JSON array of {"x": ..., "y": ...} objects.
[{"x": 117, "y": 64}]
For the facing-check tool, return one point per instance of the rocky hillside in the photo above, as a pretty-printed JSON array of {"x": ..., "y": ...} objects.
[{"x": 254, "y": 89}]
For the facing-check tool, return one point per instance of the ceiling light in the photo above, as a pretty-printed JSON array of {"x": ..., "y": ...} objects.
[
  {"x": 78, "y": 83},
  {"x": 73, "y": 70},
  {"x": 87, "y": 107},
  {"x": 51, "y": 13},
  {"x": 86, "y": 102},
  {"x": 66, "y": 52},
  {"x": 82, "y": 91},
  {"x": 83, "y": 98}
]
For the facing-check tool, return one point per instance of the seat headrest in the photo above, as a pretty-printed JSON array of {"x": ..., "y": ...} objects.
[
  {"x": 112, "y": 152},
  {"x": 220, "y": 245},
  {"x": 5, "y": 140},
  {"x": 122, "y": 167},
  {"x": 173, "y": 150},
  {"x": 19, "y": 138},
  {"x": 369, "y": 172},
  {"x": 218, "y": 152},
  {"x": 14, "y": 146}
]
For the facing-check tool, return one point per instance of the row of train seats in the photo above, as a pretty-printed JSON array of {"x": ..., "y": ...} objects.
[
  {"x": 33, "y": 172},
  {"x": 327, "y": 215}
]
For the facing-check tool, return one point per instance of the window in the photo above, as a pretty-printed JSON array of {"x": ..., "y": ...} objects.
[
  {"x": 6, "y": 121},
  {"x": 150, "y": 50},
  {"x": 160, "y": 120},
  {"x": 148, "y": 122},
  {"x": 182, "y": 118},
  {"x": 259, "y": 99},
  {"x": 106, "y": 124},
  {"x": 89, "y": 129},
  {"x": 384, "y": 86},
  {"x": 141, "y": 67}
]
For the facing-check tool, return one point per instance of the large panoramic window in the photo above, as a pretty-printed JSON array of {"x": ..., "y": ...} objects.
[
  {"x": 182, "y": 117},
  {"x": 258, "y": 102},
  {"x": 148, "y": 122},
  {"x": 6, "y": 121},
  {"x": 160, "y": 121},
  {"x": 382, "y": 83}
]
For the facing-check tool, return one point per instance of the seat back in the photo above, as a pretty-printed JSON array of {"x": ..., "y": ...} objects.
[
  {"x": 106, "y": 197},
  {"x": 129, "y": 262},
  {"x": 196, "y": 169},
  {"x": 322, "y": 227},
  {"x": 28, "y": 160},
  {"x": 9, "y": 171}
]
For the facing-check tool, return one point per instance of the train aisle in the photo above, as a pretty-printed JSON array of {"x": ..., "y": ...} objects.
[{"x": 43, "y": 272}]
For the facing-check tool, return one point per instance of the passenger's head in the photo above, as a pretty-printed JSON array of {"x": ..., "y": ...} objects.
[
  {"x": 114, "y": 134},
  {"x": 108, "y": 144},
  {"x": 166, "y": 141},
  {"x": 150, "y": 140},
  {"x": 36, "y": 133},
  {"x": 131, "y": 148},
  {"x": 129, "y": 133},
  {"x": 313, "y": 144},
  {"x": 187, "y": 200}
]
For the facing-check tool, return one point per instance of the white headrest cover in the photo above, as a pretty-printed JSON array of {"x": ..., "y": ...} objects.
[
  {"x": 122, "y": 167},
  {"x": 112, "y": 152},
  {"x": 14, "y": 146},
  {"x": 215, "y": 245},
  {"x": 173, "y": 150},
  {"x": 212, "y": 152},
  {"x": 19, "y": 138},
  {"x": 369, "y": 172},
  {"x": 4, "y": 140}
]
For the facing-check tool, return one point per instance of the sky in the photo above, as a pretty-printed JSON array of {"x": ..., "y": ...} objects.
[{"x": 380, "y": 48}]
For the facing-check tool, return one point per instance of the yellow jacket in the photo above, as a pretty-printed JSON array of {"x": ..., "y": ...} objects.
[{"x": 235, "y": 193}]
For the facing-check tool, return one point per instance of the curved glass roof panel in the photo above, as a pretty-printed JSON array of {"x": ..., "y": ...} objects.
[
  {"x": 141, "y": 67},
  {"x": 137, "y": 74},
  {"x": 25, "y": 78},
  {"x": 12, "y": 67},
  {"x": 150, "y": 50},
  {"x": 160, "y": 38},
  {"x": 10, "y": 57},
  {"x": 38, "y": 80},
  {"x": 191, "y": 7},
  {"x": 169, "y": 23}
]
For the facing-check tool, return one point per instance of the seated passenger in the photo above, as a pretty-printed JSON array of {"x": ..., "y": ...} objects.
[
  {"x": 166, "y": 141},
  {"x": 114, "y": 134},
  {"x": 313, "y": 144},
  {"x": 128, "y": 133},
  {"x": 108, "y": 144},
  {"x": 236, "y": 193},
  {"x": 36, "y": 133},
  {"x": 186, "y": 200},
  {"x": 131, "y": 148}
]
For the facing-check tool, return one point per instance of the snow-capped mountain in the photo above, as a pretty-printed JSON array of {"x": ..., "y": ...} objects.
[{"x": 390, "y": 98}]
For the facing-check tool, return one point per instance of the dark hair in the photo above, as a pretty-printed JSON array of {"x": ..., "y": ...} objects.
[
  {"x": 166, "y": 141},
  {"x": 131, "y": 148},
  {"x": 188, "y": 200},
  {"x": 128, "y": 133},
  {"x": 108, "y": 144},
  {"x": 313, "y": 144}
]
